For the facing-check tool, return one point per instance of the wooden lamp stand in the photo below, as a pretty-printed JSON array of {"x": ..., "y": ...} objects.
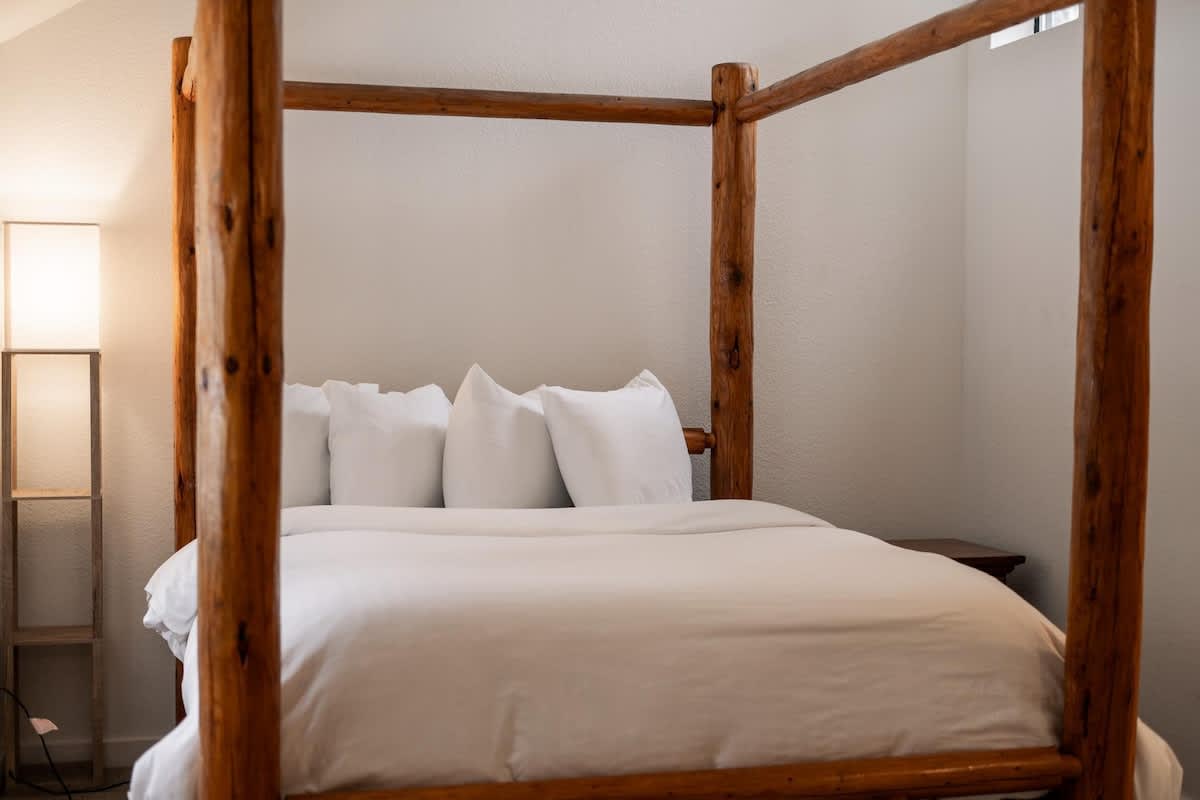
[{"x": 14, "y": 637}]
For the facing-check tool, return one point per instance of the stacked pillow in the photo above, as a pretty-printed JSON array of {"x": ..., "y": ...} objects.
[{"x": 549, "y": 447}]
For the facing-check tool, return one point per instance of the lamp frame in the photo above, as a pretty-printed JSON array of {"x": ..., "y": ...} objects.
[{"x": 14, "y": 637}]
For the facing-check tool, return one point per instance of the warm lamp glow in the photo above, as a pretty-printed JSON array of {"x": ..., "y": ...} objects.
[{"x": 52, "y": 285}]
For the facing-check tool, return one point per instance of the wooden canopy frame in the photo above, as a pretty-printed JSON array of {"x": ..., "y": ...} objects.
[{"x": 228, "y": 99}]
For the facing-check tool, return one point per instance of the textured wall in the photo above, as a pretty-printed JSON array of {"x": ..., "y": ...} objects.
[
  {"x": 546, "y": 251},
  {"x": 1021, "y": 282}
]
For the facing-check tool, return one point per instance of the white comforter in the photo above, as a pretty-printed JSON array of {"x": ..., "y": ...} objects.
[{"x": 434, "y": 646}]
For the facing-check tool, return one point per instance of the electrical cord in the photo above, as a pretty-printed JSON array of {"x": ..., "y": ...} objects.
[{"x": 66, "y": 790}]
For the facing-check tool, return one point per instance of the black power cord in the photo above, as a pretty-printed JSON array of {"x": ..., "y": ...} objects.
[{"x": 66, "y": 790}]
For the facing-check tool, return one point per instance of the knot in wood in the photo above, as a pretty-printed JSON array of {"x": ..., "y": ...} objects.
[{"x": 243, "y": 642}]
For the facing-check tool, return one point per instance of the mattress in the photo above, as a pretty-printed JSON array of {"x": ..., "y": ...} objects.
[{"x": 449, "y": 646}]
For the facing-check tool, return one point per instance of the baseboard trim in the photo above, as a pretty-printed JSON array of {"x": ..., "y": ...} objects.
[{"x": 120, "y": 751}]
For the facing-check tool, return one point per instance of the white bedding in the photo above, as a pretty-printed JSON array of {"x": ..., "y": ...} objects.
[{"x": 439, "y": 646}]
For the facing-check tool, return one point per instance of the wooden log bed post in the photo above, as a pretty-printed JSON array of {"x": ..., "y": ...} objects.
[
  {"x": 731, "y": 292},
  {"x": 1112, "y": 390},
  {"x": 239, "y": 356},
  {"x": 183, "y": 163}
]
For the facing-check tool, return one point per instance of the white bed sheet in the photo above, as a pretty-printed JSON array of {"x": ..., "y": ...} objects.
[{"x": 444, "y": 646}]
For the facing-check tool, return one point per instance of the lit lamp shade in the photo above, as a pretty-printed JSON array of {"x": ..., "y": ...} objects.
[{"x": 51, "y": 286}]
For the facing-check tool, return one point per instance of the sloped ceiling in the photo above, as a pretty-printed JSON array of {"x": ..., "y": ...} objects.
[{"x": 18, "y": 16}]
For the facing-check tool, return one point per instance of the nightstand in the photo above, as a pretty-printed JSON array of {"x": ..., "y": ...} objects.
[{"x": 997, "y": 563}]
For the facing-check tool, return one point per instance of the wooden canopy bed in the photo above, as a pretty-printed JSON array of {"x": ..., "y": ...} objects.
[{"x": 228, "y": 235}]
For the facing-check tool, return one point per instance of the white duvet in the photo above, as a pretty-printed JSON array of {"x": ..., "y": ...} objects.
[{"x": 447, "y": 646}]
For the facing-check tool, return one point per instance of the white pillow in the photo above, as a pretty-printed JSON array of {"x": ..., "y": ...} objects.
[
  {"x": 386, "y": 449},
  {"x": 498, "y": 451},
  {"x": 620, "y": 447},
  {"x": 305, "y": 460}
]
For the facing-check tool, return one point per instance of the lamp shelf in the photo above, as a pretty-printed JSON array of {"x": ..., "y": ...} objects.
[
  {"x": 45, "y": 635},
  {"x": 53, "y": 494},
  {"x": 50, "y": 351}
]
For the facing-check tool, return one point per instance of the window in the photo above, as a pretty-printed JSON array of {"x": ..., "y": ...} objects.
[{"x": 1042, "y": 22}]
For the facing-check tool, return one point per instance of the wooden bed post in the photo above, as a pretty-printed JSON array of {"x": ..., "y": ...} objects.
[
  {"x": 183, "y": 163},
  {"x": 239, "y": 248},
  {"x": 731, "y": 332},
  {"x": 1104, "y": 615}
]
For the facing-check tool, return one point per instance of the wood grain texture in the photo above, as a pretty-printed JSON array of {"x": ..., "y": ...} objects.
[
  {"x": 99, "y": 758},
  {"x": 944, "y": 775},
  {"x": 1112, "y": 397},
  {"x": 50, "y": 635},
  {"x": 432, "y": 101},
  {"x": 446, "y": 102},
  {"x": 943, "y": 32},
  {"x": 731, "y": 291},
  {"x": 697, "y": 439},
  {"x": 10, "y": 732},
  {"x": 986, "y": 559},
  {"x": 183, "y": 161},
  {"x": 183, "y": 167},
  {"x": 8, "y": 560},
  {"x": 95, "y": 493},
  {"x": 97, "y": 530},
  {"x": 51, "y": 494},
  {"x": 239, "y": 249}
]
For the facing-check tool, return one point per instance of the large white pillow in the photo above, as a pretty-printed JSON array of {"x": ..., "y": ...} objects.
[
  {"x": 386, "y": 449},
  {"x": 498, "y": 451},
  {"x": 621, "y": 447},
  {"x": 305, "y": 455}
]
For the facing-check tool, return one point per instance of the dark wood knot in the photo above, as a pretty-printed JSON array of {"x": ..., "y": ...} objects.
[
  {"x": 243, "y": 643},
  {"x": 1092, "y": 479}
]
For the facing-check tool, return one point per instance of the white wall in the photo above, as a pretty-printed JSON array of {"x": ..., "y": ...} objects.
[
  {"x": 1023, "y": 134},
  {"x": 546, "y": 251}
]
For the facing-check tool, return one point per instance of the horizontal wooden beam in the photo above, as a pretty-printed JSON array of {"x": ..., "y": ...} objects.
[
  {"x": 305, "y": 96},
  {"x": 943, "y": 32},
  {"x": 698, "y": 440},
  {"x": 946, "y": 775},
  {"x": 488, "y": 103}
]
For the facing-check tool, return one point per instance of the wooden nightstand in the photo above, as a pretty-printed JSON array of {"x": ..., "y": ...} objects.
[{"x": 997, "y": 563}]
